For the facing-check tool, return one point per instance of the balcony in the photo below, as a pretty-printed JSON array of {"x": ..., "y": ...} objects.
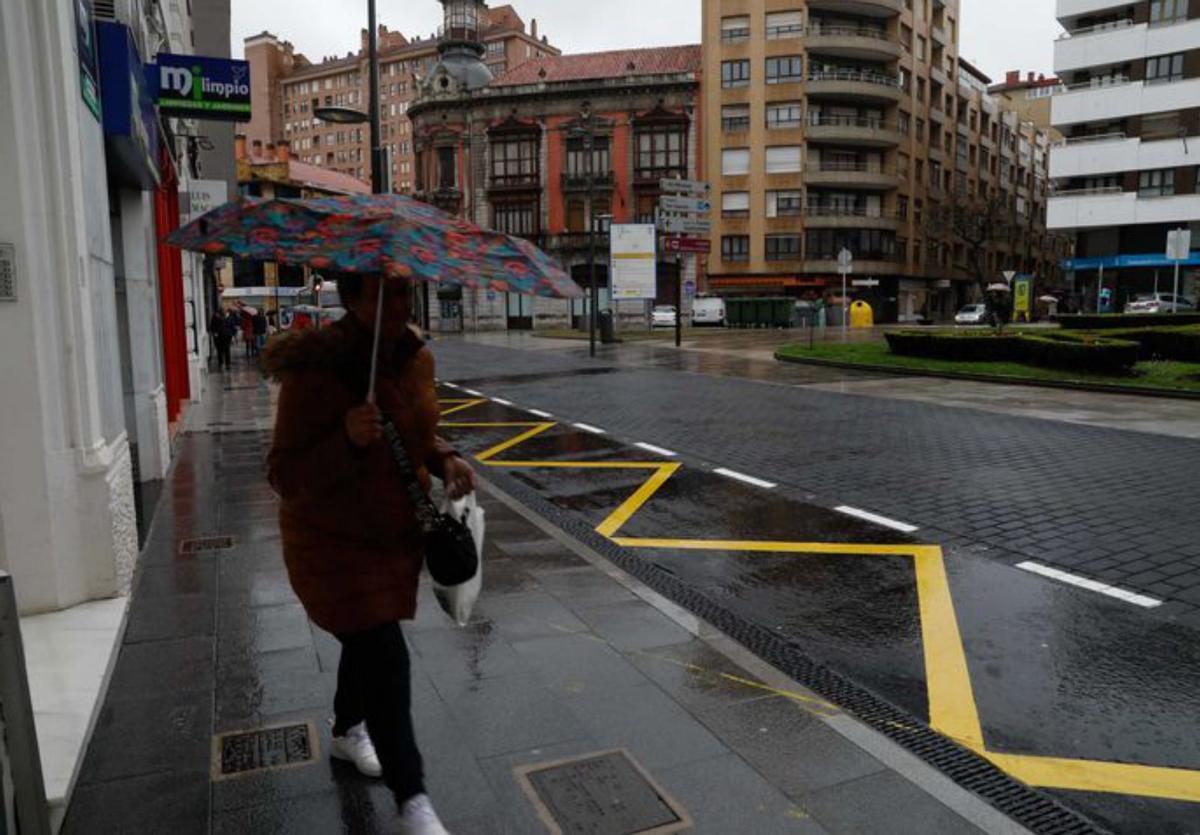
[
  {"x": 817, "y": 216},
  {"x": 853, "y": 42},
  {"x": 861, "y": 8},
  {"x": 850, "y": 130},
  {"x": 736, "y": 36},
  {"x": 1113, "y": 100},
  {"x": 1114, "y": 153},
  {"x": 854, "y": 84},
  {"x": 601, "y": 181},
  {"x": 515, "y": 182},
  {"x": 1121, "y": 43},
  {"x": 857, "y": 176},
  {"x": 1067, "y": 10}
]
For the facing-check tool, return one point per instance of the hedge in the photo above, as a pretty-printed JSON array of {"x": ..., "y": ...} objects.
[
  {"x": 1108, "y": 321},
  {"x": 1178, "y": 344},
  {"x": 1075, "y": 352}
]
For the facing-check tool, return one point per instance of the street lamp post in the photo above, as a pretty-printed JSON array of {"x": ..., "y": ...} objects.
[{"x": 589, "y": 143}]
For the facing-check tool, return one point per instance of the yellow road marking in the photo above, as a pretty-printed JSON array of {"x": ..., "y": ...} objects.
[{"x": 952, "y": 709}]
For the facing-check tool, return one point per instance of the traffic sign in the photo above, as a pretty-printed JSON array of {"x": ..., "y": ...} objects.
[
  {"x": 687, "y": 205},
  {"x": 866, "y": 282},
  {"x": 1179, "y": 244},
  {"x": 675, "y": 243},
  {"x": 696, "y": 188},
  {"x": 846, "y": 259},
  {"x": 1009, "y": 275},
  {"x": 675, "y": 225}
]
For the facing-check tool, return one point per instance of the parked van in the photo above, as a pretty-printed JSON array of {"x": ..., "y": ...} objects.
[{"x": 709, "y": 310}]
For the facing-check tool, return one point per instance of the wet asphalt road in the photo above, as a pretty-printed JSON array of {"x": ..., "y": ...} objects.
[{"x": 1053, "y": 672}]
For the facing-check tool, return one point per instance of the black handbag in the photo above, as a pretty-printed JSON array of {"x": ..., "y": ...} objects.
[{"x": 450, "y": 553}]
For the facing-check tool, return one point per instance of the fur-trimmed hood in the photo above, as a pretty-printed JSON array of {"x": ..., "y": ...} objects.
[{"x": 342, "y": 347}]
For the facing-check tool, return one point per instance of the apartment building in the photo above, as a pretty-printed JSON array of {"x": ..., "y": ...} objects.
[
  {"x": 288, "y": 87},
  {"x": 834, "y": 124},
  {"x": 1029, "y": 96},
  {"x": 1130, "y": 114}
]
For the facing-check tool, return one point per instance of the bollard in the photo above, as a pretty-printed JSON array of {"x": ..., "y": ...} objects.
[{"x": 21, "y": 784}]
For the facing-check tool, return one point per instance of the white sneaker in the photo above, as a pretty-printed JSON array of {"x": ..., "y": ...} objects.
[
  {"x": 418, "y": 818},
  {"x": 356, "y": 747}
]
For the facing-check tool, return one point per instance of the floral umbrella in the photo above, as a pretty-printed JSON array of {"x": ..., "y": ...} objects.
[{"x": 383, "y": 234}]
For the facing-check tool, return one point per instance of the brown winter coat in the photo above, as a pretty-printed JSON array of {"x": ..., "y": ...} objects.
[{"x": 351, "y": 541}]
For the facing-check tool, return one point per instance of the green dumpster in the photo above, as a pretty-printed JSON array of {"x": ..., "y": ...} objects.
[{"x": 782, "y": 312}]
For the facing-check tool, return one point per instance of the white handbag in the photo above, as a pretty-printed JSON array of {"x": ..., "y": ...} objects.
[{"x": 459, "y": 601}]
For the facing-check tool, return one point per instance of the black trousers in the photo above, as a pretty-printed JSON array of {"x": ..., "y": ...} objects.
[
  {"x": 224, "y": 360},
  {"x": 374, "y": 687}
]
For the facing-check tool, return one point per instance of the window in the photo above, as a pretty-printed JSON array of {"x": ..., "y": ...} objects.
[
  {"x": 1164, "y": 68},
  {"x": 735, "y": 74},
  {"x": 735, "y": 248},
  {"x": 902, "y": 208},
  {"x": 1159, "y": 183},
  {"x": 735, "y": 161},
  {"x": 662, "y": 152},
  {"x": 783, "y": 247},
  {"x": 1161, "y": 126},
  {"x": 735, "y": 204},
  {"x": 577, "y": 157},
  {"x": 785, "y": 69},
  {"x": 514, "y": 161},
  {"x": 735, "y": 29},
  {"x": 784, "y": 159},
  {"x": 1168, "y": 11},
  {"x": 735, "y": 117},
  {"x": 788, "y": 24},
  {"x": 866, "y": 244},
  {"x": 785, "y": 114},
  {"x": 447, "y": 168},
  {"x": 785, "y": 203}
]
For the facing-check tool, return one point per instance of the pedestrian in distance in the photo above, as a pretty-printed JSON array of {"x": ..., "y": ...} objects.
[
  {"x": 247, "y": 326},
  {"x": 218, "y": 331},
  {"x": 351, "y": 539},
  {"x": 260, "y": 332}
]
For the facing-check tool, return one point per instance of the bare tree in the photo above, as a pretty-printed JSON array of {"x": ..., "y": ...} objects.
[{"x": 980, "y": 225}]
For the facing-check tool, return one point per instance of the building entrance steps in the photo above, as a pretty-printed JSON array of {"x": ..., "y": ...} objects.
[{"x": 567, "y": 660}]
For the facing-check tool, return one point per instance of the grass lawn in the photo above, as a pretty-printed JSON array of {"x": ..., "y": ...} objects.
[{"x": 1171, "y": 376}]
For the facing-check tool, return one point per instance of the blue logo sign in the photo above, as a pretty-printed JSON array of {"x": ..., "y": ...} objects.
[{"x": 201, "y": 88}]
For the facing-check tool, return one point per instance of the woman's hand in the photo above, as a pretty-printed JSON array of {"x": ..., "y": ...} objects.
[
  {"x": 364, "y": 425},
  {"x": 459, "y": 477}
]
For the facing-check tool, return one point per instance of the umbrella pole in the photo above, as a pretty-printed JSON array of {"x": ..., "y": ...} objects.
[{"x": 375, "y": 343}]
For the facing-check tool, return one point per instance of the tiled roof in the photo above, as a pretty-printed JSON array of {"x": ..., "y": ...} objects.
[{"x": 617, "y": 64}]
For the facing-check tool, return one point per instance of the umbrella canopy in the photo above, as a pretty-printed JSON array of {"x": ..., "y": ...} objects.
[{"x": 385, "y": 234}]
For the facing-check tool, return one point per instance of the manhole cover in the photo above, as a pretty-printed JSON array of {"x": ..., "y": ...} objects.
[
  {"x": 600, "y": 794},
  {"x": 265, "y": 749},
  {"x": 209, "y": 543}
]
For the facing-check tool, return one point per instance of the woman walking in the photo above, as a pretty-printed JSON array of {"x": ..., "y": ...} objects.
[{"x": 351, "y": 540}]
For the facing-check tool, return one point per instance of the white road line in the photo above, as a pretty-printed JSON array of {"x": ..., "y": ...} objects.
[
  {"x": 450, "y": 385},
  {"x": 746, "y": 479},
  {"x": 586, "y": 428},
  {"x": 903, "y": 527},
  {"x": 474, "y": 393},
  {"x": 540, "y": 413},
  {"x": 1091, "y": 585},
  {"x": 501, "y": 402},
  {"x": 657, "y": 450}
]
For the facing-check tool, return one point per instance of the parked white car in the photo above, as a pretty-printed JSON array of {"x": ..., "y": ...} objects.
[
  {"x": 1160, "y": 303},
  {"x": 972, "y": 314},
  {"x": 663, "y": 317},
  {"x": 709, "y": 310}
]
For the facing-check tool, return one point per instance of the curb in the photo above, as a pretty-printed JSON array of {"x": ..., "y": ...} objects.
[{"x": 1169, "y": 394}]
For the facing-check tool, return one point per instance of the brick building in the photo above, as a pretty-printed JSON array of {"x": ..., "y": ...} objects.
[
  {"x": 287, "y": 87},
  {"x": 511, "y": 153}
]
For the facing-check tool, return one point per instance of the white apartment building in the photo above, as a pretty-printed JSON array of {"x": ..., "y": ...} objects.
[{"x": 1126, "y": 171}]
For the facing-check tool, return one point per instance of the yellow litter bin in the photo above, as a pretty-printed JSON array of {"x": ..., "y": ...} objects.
[{"x": 861, "y": 315}]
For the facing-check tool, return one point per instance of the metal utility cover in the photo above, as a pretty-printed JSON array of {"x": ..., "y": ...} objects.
[
  {"x": 8, "y": 273},
  {"x": 209, "y": 543},
  {"x": 600, "y": 794},
  {"x": 266, "y": 749}
]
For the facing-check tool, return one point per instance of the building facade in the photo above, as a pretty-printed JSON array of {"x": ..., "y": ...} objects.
[
  {"x": 555, "y": 150},
  {"x": 836, "y": 125},
  {"x": 287, "y": 88},
  {"x": 1029, "y": 97},
  {"x": 1126, "y": 173}
]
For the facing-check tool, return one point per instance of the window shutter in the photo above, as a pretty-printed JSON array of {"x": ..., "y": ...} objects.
[{"x": 784, "y": 159}]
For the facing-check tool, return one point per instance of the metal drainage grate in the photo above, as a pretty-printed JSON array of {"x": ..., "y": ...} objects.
[
  {"x": 600, "y": 794},
  {"x": 1037, "y": 811},
  {"x": 208, "y": 543},
  {"x": 266, "y": 749}
]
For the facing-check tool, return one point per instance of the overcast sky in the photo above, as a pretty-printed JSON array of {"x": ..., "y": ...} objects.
[{"x": 997, "y": 35}]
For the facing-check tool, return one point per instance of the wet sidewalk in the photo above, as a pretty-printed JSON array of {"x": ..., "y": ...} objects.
[{"x": 567, "y": 658}]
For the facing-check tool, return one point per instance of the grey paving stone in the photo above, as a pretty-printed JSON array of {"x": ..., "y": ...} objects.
[
  {"x": 141, "y": 737},
  {"x": 163, "y": 668},
  {"x": 632, "y": 625},
  {"x": 170, "y": 802},
  {"x": 578, "y": 663},
  {"x": 895, "y": 806},
  {"x": 691, "y": 674},
  {"x": 512, "y": 714},
  {"x": 166, "y": 618}
]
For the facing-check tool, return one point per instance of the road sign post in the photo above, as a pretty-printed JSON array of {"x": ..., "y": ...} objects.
[
  {"x": 845, "y": 267},
  {"x": 1179, "y": 248},
  {"x": 683, "y": 210}
]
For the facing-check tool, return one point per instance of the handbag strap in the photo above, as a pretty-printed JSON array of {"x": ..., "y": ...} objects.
[{"x": 427, "y": 514}]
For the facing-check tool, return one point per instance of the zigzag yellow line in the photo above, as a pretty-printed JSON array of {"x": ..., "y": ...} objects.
[{"x": 952, "y": 708}]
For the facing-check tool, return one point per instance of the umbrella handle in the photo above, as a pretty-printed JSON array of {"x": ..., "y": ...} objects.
[{"x": 375, "y": 345}]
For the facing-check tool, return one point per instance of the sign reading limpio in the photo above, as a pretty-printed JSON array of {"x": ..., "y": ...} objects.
[{"x": 200, "y": 87}]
